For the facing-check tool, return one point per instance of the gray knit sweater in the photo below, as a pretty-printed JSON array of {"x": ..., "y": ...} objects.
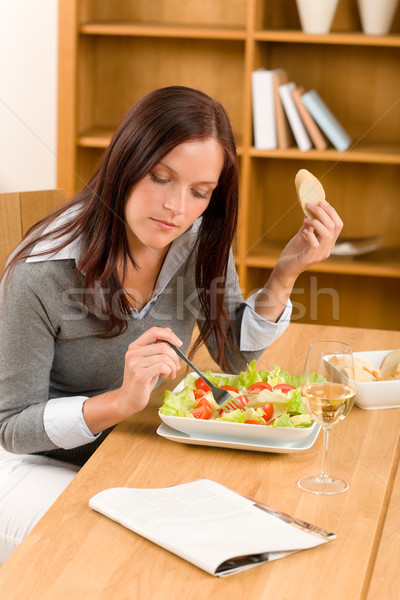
[{"x": 49, "y": 348}]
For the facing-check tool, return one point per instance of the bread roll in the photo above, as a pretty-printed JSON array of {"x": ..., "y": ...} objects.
[{"x": 309, "y": 190}]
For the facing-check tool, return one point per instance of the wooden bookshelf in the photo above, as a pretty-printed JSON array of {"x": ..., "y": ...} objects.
[{"x": 112, "y": 52}]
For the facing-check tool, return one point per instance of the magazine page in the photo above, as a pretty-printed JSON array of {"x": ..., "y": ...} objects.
[{"x": 208, "y": 524}]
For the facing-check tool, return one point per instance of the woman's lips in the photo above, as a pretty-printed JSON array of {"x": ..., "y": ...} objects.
[{"x": 164, "y": 225}]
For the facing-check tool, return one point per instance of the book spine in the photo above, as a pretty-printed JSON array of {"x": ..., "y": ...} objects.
[
  {"x": 326, "y": 120},
  {"x": 264, "y": 124},
  {"x": 300, "y": 134},
  {"x": 313, "y": 131},
  {"x": 283, "y": 131}
]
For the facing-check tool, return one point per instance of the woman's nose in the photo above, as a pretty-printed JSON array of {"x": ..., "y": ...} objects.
[{"x": 176, "y": 202}]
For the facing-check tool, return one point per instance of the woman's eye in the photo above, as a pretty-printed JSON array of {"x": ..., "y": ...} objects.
[
  {"x": 158, "y": 179},
  {"x": 200, "y": 195}
]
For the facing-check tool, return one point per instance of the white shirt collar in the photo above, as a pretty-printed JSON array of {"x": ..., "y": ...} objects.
[{"x": 71, "y": 251}]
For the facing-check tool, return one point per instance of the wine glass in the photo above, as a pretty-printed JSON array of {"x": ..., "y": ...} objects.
[{"x": 328, "y": 389}]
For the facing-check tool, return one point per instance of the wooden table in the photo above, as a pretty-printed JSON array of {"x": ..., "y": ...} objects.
[{"x": 75, "y": 552}]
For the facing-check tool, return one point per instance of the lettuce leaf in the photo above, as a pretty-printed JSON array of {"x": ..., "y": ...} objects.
[
  {"x": 282, "y": 421},
  {"x": 290, "y": 379},
  {"x": 301, "y": 421},
  {"x": 218, "y": 379},
  {"x": 190, "y": 381},
  {"x": 295, "y": 403},
  {"x": 235, "y": 416},
  {"x": 178, "y": 405},
  {"x": 247, "y": 378},
  {"x": 255, "y": 414},
  {"x": 272, "y": 377},
  {"x": 276, "y": 376},
  {"x": 298, "y": 421},
  {"x": 315, "y": 378}
]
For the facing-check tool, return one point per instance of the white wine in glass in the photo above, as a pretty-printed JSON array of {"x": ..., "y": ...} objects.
[{"x": 328, "y": 389}]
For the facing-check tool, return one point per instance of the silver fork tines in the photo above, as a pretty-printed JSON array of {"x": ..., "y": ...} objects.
[{"x": 221, "y": 396}]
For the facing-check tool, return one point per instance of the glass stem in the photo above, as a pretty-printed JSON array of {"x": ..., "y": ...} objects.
[{"x": 324, "y": 472}]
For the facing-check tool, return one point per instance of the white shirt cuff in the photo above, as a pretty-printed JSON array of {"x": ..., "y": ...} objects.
[
  {"x": 64, "y": 422},
  {"x": 257, "y": 333}
]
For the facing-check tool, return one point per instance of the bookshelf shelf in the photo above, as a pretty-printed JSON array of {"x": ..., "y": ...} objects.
[
  {"x": 382, "y": 263},
  {"x": 334, "y": 38},
  {"x": 112, "y": 52},
  {"x": 96, "y": 137},
  {"x": 167, "y": 31},
  {"x": 100, "y": 137},
  {"x": 367, "y": 153}
]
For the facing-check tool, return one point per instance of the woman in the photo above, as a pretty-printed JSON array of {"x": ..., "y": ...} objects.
[{"x": 95, "y": 290}]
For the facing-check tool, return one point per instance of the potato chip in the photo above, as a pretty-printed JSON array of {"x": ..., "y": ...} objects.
[
  {"x": 309, "y": 190},
  {"x": 391, "y": 362}
]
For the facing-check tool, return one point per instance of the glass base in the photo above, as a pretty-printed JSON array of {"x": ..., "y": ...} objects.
[{"x": 323, "y": 484}]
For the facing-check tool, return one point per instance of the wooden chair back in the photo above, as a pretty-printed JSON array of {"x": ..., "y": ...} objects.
[{"x": 21, "y": 210}]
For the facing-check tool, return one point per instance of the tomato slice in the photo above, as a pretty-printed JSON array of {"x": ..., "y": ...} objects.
[
  {"x": 256, "y": 388},
  {"x": 252, "y": 422},
  {"x": 268, "y": 410},
  {"x": 229, "y": 388},
  {"x": 199, "y": 393},
  {"x": 203, "y": 402},
  {"x": 242, "y": 399},
  {"x": 203, "y": 409},
  {"x": 284, "y": 387},
  {"x": 202, "y": 385},
  {"x": 201, "y": 413}
]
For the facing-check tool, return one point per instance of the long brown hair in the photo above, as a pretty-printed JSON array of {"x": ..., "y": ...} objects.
[{"x": 150, "y": 129}]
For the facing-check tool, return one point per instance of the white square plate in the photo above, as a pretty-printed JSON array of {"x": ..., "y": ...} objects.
[{"x": 275, "y": 447}]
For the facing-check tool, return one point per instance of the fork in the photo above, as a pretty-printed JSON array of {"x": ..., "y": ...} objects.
[{"x": 220, "y": 395}]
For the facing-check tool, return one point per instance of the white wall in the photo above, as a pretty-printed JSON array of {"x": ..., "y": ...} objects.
[{"x": 28, "y": 94}]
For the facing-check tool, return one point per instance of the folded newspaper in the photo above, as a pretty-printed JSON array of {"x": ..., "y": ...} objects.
[{"x": 209, "y": 525}]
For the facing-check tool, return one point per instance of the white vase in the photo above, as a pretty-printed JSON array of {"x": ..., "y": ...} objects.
[
  {"x": 316, "y": 16},
  {"x": 376, "y": 15}
]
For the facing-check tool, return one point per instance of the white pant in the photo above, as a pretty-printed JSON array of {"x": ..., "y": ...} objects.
[{"x": 28, "y": 487}]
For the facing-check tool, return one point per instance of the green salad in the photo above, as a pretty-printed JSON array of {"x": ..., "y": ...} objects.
[{"x": 270, "y": 398}]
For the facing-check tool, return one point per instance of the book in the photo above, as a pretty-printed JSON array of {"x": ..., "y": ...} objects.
[
  {"x": 312, "y": 128},
  {"x": 326, "y": 120},
  {"x": 283, "y": 131},
  {"x": 299, "y": 131},
  {"x": 264, "y": 123},
  {"x": 209, "y": 525}
]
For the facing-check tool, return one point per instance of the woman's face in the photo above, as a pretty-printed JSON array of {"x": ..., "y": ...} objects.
[{"x": 174, "y": 194}]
